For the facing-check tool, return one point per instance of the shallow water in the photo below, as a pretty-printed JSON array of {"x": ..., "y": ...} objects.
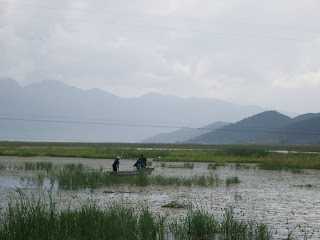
[{"x": 281, "y": 199}]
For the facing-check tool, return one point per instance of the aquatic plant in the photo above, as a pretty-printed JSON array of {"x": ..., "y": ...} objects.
[
  {"x": 32, "y": 166},
  {"x": 39, "y": 217},
  {"x": 232, "y": 180},
  {"x": 2, "y": 167},
  {"x": 163, "y": 165},
  {"x": 181, "y": 153},
  {"x": 200, "y": 224},
  {"x": 212, "y": 166},
  {"x": 185, "y": 165},
  {"x": 239, "y": 166}
]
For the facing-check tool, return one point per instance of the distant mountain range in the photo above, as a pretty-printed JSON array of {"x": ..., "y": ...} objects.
[
  {"x": 269, "y": 127},
  {"x": 304, "y": 129},
  {"x": 52, "y": 111},
  {"x": 185, "y": 134}
]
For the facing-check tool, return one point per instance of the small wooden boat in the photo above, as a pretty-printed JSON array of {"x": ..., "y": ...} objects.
[{"x": 134, "y": 172}]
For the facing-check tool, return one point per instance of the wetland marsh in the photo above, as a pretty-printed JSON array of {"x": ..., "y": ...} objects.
[{"x": 287, "y": 202}]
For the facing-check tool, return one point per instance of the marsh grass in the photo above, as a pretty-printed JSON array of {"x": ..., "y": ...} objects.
[
  {"x": 142, "y": 179},
  {"x": 163, "y": 165},
  {"x": 170, "y": 181},
  {"x": 212, "y": 166},
  {"x": 297, "y": 171},
  {"x": 75, "y": 176},
  {"x": 37, "y": 166},
  {"x": 239, "y": 166},
  {"x": 200, "y": 224},
  {"x": 181, "y": 153},
  {"x": 221, "y": 163},
  {"x": 174, "y": 204},
  {"x": 306, "y": 185},
  {"x": 203, "y": 181},
  {"x": 188, "y": 165},
  {"x": 232, "y": 180},
  {"x": 39, "y": 217},
  {"x": 34, "y": 217},
  {"x": 185, "y": 165},
  {"x": 291, "y": 161}
]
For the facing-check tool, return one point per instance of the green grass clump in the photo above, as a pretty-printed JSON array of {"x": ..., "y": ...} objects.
[
  {"x": 203, "y": 181},
  {"x": 163, "y": 165},
  {"x": 2, "y": 167},
  {"x": 142, "y": 179},
  {"x": 38, "y": 166},
  {"x": 232, "y": 180},
  {"x": 240, "y": 166},
  {"x": 232, "y": 228},
  {"x": 199, "y": 224},
  {"x": 75, "y": 176},
  {"x": 188, "y": 165},
  {"x": 185, "y": 165},
  {"x": 212, "y": 166},
  {"x": 38, "y": 217},
  {"x": 221, "y": 163},
  {"x": 296, "y": 171}
]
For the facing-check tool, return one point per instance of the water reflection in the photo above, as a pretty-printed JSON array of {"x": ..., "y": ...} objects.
[{"x": 13, "y": 182}]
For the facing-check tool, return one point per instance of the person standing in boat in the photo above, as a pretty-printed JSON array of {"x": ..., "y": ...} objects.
[
  {"x": 115, "y": 164},
  {"x": 138, "y": 164},
  {"x": 143, "y": 161}
]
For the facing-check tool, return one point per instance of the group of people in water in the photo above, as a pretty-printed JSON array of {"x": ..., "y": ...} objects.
[{"x": 140, "y": 164}]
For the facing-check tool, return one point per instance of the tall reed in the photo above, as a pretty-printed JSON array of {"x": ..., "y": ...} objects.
[{"x": 39, "y": 217}]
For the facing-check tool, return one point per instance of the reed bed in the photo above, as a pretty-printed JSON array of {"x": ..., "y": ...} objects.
[
  {"x": 32, "y": 166},
  {"x": 39, "y": 217},
  {"x": 212, "y": 166},
  {"x": 291, "y": 161},
  {"x": 76, "y": 176},
  {"x": 204, "y": 181},
  {"x": 239, "y": 166},
  {"x": 171, "y": 153},
  {"x": 232, "y": 180},
  {"x": 185, "y": 165},
  {"x": 199, "y": 224}
]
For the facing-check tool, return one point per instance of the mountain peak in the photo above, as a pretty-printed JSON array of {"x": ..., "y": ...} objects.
[
  {"x": 49, "y": 83},
  {"x": 9, "y": 83}
]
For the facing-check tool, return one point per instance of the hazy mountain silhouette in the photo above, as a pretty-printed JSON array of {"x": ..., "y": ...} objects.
[
  {"x": 306, "y": 131},
  {"x": 248, "y": 130},
  {"x": 184, "y": 134},
  {"x": 305, "y": 117},
  {"x": 269, "y": 127},
  {"x": 52, "y": 111}
]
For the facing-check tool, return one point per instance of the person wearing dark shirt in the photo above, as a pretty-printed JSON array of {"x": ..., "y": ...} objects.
[
  {"x": 143, "y": 161},
  {"x": 138, "y": 164},
  {"x": 115, "y": 164}
]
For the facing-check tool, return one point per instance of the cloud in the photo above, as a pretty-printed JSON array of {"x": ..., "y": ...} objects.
[
  {"x": 301, "y": 80},
  {"x": 243, "y": 50}
]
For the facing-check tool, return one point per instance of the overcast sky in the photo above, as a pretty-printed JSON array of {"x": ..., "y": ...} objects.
[{"x": 264, "y": 53}]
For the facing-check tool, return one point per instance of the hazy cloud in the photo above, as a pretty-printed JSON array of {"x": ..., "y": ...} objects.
[{"x": 253, "y": 52}]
